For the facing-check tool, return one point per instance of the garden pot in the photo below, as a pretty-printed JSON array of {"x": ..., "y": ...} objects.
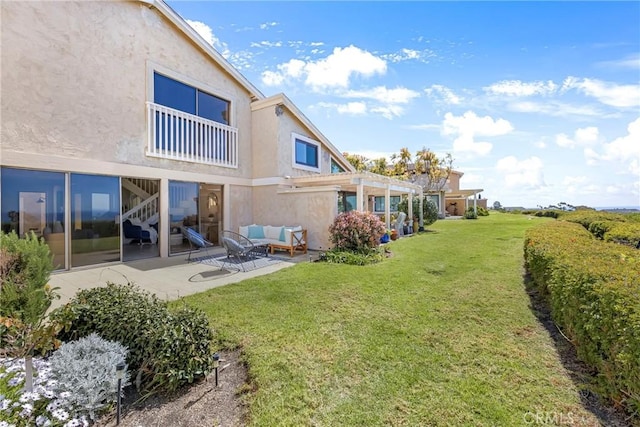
[
  {"x": 384, "y": 238},
  {"x": 394, "y": 234}
]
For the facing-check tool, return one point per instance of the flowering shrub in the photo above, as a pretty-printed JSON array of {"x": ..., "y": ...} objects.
[
  {"x": 88, "y": 366},
  {"x": 41, "y": 407},
  {"x": 356, "y": 231}
]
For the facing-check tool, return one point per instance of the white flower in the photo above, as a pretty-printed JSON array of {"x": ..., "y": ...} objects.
[
  {"x": 5, "y": 404},
  {"x": 60, "y": 414},
  {"x": 65, "y": 394},
  {"x": 27, "y": 409},
  {"x": 73, "y": 423},
  {"x": 6, "y": 424},
  {"x": 49, "y": 394},
  {"x": 15, "y": 381},
  {"x": 29, "y": 397},
  {"x": 53, "y": 405}
]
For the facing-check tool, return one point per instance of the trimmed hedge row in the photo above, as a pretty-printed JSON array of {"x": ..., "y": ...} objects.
[
  {"x": 612, "y": 227},
  {"x": 593, "y": 288}
]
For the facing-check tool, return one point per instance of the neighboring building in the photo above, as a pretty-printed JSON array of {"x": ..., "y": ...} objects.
[
  {"x": 117, "y": 115},
  {"x": 457, "y": 200}
]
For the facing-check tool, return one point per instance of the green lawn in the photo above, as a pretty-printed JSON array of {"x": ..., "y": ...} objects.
[{"x": 441, "y": 333}]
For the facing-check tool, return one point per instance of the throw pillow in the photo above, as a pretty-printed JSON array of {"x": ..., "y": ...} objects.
[
  {"x": 256, "y": 232},
  {"x": 281, "y": 238}
]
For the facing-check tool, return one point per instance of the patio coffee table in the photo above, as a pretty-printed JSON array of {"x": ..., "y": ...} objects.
[{"x": 260, "y": 250}]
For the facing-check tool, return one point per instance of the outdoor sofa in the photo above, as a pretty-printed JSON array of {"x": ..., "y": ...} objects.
[{"x": 286, "y": 238}]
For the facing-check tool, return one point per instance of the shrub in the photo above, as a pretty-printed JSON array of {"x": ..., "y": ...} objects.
[
  {"x": 371, "y": 256},
  {"x": 429, "y": 209},
  {"x": 470, "y": 213},
  {"x": 624, "y": 233},
  {"x": 593, "y": 288},
  {"x": 356, "y": 231},
  {"x": 167, "y": 347},
  {"x": 25, "y": 296},
  {"x": 482, "y": 211},
  {"x": 86, "y": 370}
]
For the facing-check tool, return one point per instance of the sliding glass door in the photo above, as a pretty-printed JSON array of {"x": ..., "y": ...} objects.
[
  {"x": 33, "y": 202},
  {"x": 95, "y": 219}
]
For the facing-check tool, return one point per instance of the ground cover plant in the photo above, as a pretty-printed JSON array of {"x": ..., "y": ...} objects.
[{"x": 441, "y": 333}]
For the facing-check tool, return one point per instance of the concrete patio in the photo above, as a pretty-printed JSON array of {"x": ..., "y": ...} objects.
[{"x": 168, "y": 278}]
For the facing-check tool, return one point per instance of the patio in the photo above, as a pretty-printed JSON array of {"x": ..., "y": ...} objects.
[{"x": 168, "y": 278}]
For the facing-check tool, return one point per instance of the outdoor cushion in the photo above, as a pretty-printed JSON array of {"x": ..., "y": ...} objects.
[
  {"x": 281, "y": 237},
  {"x": 195, "y": 237},
  {"x": 256, "y": 232},
  {"x": 271, "y": 232}
]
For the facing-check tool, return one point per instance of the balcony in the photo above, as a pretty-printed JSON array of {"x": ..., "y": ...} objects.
[{"x": 176, "y": 135}]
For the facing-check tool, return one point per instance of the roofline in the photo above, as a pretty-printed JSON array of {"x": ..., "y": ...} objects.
[
  {"x": 282, "y": 99},
  {"x": 192, "y": 34}
]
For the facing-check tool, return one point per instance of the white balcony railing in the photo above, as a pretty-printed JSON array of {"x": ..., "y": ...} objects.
[{"x": 174, "y": 134}]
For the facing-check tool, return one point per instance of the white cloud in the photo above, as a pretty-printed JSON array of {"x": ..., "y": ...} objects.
[
  {"x": 388, "y": 111},
  {"x": 268, "y": 25},
  {"x": 271, "y": 78},
  {"x": 607, "y": 93},
  {"x": 266, "y": 43},
  {"x": 424, "y": 127},
  {"x": 334, "y": 71},
  {"x": 471, "y": 124},
  {"x": 399, "y": 95},
  {"x": 410, "y": 55},
  {"x": 444, "y": 93},
  {"x": 582, "y": 137},
  {"x": 468, "y": 126},
  {"x": 625, "y": 150},
  {"x": 554, "y": 108},
  {"x": 522, "y": 174},
  {"x": 519, "y": 88},
  {"x": 206, "y": 33},
  {"x": 355, "y": 108},
  {"x": 631, "y": 62}
]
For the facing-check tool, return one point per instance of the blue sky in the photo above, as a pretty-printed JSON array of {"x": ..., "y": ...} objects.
[{"x": 538, "y": 102}]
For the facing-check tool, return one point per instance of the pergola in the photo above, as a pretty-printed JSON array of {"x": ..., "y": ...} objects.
[{"x": 365, "y": 185}]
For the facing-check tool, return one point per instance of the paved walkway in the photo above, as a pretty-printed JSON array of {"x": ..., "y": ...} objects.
[{"x": 168, "y": 278}]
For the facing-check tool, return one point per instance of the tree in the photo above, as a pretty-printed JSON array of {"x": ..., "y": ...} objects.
[
  {"x": 497, "y": 205},
  {"x": 435, "y": 171},
  {"x": 401, "y": 163},
  {"x": 358, "y": 161},
  {"x": 379, "y": 166}
]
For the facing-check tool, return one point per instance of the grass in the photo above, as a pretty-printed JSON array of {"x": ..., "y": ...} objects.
[{"x": 439, "y": 334}]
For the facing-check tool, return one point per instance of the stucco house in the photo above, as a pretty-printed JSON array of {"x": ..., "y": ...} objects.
[{"x": 121, "y": 125}]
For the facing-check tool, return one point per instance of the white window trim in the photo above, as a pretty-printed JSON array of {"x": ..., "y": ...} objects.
[
  {"x": 152, "y": 68},
  {"x": 310, "y": 141}
]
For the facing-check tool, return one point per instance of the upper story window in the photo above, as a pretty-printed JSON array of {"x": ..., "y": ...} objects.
[
  {"x": 306, "y": 153},
  {"x": 335, "y": 167},
  {"x": 180, "y": 96}
]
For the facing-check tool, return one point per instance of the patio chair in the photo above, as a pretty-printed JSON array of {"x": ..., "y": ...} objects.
[
  {"x": 238, "y": 247},
  {"x": 196, "y": 241}
]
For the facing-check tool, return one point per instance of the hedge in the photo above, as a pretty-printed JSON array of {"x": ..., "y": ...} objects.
[{"x": 593, "y": 288}]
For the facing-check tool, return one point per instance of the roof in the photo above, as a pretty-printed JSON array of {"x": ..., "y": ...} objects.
[
  {"x": 350, "y": 180},
  {"x": 192, "y": 34},
  {"x": 282, "y": 100}
]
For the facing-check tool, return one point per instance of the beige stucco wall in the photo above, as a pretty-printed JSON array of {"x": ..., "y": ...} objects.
[
  {"x": 273, "y": 146},
  {"x": 264, "y": 135},
  {"x": 454, "y": 181},
  {"x": 314, "y": 211},
  {"x": 75, "y": 81}
]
